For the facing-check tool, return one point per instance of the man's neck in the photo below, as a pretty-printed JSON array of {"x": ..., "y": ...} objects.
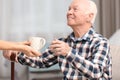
[{"x": 79, "y": 31}]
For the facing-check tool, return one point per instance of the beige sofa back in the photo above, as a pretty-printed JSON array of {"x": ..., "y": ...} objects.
[{"x": 115, "y": 52}]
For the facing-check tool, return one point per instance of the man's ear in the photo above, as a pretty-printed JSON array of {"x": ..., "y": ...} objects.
[{"x": 90, "y": 17}]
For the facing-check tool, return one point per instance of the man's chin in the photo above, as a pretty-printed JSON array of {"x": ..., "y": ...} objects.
[{"x": 69, "y": 24}]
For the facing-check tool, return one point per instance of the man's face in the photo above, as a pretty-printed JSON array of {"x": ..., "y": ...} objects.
[{"x": 76, "y": 15}]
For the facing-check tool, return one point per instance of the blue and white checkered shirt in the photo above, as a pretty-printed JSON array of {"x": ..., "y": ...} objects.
[{"x": 89, "y": 58}]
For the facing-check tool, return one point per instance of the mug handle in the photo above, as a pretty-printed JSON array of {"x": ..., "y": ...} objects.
[{"x": 42, "y": 41}]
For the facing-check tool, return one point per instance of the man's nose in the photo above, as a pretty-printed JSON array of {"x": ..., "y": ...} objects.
[{"x": 70, "y": 11}]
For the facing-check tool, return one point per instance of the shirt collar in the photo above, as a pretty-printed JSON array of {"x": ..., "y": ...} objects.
[{"x": 87, "y": 37}]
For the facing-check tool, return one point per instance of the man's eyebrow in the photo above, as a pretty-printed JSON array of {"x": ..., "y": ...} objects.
[{"x": 75, "y": 6}]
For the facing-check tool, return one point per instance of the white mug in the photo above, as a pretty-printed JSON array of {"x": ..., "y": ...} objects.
[{"x": 37, "y": 42}]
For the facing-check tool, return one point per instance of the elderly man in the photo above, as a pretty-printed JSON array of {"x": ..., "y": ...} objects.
[{"x": 84, "y": 54}]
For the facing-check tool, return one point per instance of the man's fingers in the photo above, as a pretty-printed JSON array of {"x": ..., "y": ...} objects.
[
  {"x": 30, "y": 55},
  {"x": 26, "y": 43},
  {"x": 56, "y": 42},
  {"x": 55, "y": 46},
  {"x": 36, "y": 53}
]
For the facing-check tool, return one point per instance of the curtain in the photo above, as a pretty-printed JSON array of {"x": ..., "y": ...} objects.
[
  {"x": 20, "y": 19},
  {"x": 109, "y": 17}
]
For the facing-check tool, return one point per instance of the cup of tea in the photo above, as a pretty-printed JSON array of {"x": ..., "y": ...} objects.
[{"x": 37, "y": 42}]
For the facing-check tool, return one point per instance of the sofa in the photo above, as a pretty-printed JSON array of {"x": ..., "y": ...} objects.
[{"x": 115, "y": 53}]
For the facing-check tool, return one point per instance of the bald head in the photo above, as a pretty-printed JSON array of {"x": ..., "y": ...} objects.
[
  {"x": 82, "y": 3},
  {"x": 81, "y": 12},
  {"x": 92, "y": 8},
  {"x": 88, "y": 7}
]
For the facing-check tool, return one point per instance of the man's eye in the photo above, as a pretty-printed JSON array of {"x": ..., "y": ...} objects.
[
  {"x": 75, "y": 9},
  {"x": 69, "y": 9}
]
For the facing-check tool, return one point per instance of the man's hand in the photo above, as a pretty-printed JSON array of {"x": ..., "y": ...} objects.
[
  {"x": 26, "y": 49},
  {"x": 21, "y": 47},
  {"x": 60, "y": 47},
  {"x": 7, "y": 54},
  {"x": 12, "y": 55},
  {"x": 29, "y": 51}
]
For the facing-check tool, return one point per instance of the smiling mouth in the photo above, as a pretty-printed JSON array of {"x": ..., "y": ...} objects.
[{"x": 69, "y": 18}]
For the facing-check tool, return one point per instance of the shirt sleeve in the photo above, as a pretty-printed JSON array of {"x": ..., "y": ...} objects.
[
  {"x": 46, "y": 60},
  {"x": 93, "y": 66}
]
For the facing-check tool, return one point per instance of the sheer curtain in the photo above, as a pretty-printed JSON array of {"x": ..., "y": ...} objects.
[{"x": 20, "y": 19}]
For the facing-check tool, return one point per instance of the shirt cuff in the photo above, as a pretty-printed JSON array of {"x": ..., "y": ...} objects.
[{"x": 71, "y": 55}]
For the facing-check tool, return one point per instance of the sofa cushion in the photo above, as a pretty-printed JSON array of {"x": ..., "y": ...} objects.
[{"x": 115, "y": 52}]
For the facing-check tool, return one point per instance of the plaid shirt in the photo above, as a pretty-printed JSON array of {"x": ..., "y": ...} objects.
[{"x": 89, "y": 58}]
